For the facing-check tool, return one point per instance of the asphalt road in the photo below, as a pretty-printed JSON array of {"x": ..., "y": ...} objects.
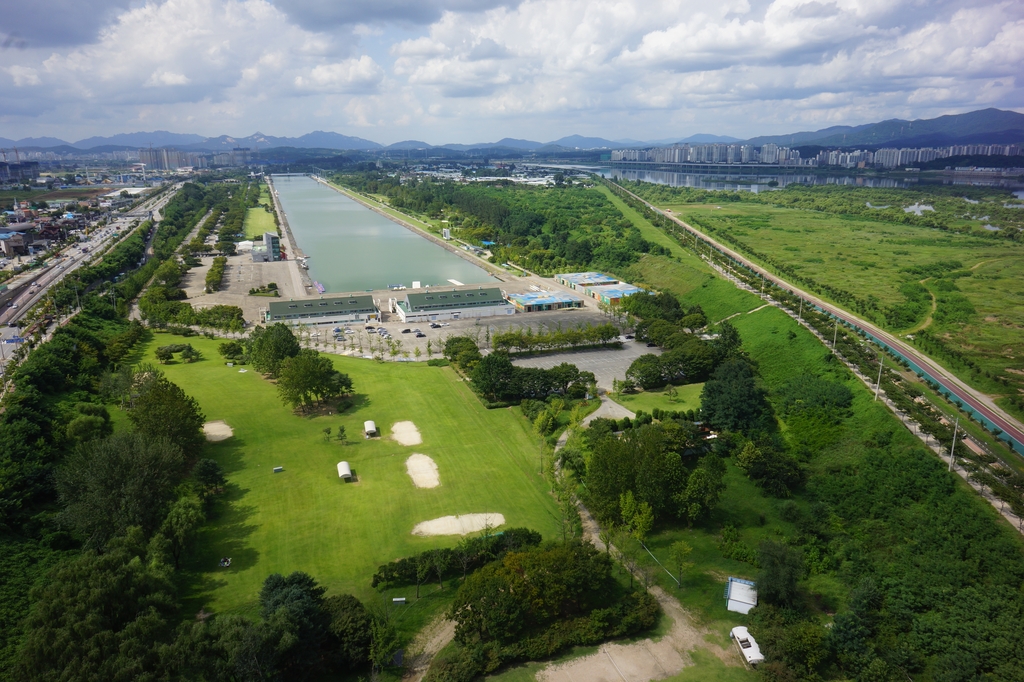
[
  {"x": 23, "y": 295},
  {"x": 979, "y": 402}
]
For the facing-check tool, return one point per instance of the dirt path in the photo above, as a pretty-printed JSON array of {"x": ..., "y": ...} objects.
[
  {"x": 425, "y": 646},
  {"x": 935, "y": 305}
]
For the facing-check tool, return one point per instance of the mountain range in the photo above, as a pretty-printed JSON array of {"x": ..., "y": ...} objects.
[{"x": 986, "y": 126}]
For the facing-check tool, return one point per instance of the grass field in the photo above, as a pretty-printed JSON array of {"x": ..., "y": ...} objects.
[
  {"x": 866, "y": 258},
  {"x": 305, "y": 519},
  {"x": 687, "y": 398},
  {"x": 258, "y": 221}
]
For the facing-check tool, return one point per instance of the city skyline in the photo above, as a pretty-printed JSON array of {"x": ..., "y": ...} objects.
[{"x": 454, "y": 71}]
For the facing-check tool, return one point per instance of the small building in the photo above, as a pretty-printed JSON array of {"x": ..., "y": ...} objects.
[
  {"x": 432, "y": 305},
  {"x": 613, "y": 293},
  {"x": 740, "y": 595},
  {"x": 344, "y": 308},
  {"x": 370, "y": 429},
  {"x": 268, "y": 251},
  {"x": 536, "y": 301},
  {"x": 581, "y": 280},
  {"x": 344, "y": 471},
  {"x": 748, "y": 647}
]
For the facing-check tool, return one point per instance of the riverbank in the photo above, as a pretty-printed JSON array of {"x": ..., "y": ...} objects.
[
  {"x": 300, "y": 277},
  {"x": 498, "y": 273}
]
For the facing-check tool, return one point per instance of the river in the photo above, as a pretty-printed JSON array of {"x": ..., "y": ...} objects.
[{"x": 351, "y": 248}]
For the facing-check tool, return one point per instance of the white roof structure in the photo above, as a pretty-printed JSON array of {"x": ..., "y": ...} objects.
[
  {"x": 740, "y": 595},
  {"x": 369, "y": 428},
  {"x": 344, "y": 470},
  {"x": 748, "y": 647}
]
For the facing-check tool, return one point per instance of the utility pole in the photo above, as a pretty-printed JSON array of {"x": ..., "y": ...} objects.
[
  {"x": 800, "y": 315},
  {"x": 835, "y": 336},
  {"x": 952, "y": 448},
  {"x": 878, "y": 384}
]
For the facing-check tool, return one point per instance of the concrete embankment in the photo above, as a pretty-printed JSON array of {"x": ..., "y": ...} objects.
[
  {"x": 492, "y": 269},
  {"x": 300, "y": 276}
]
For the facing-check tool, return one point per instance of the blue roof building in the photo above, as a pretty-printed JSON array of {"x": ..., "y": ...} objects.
[
  {"x": 579, "y": 280},
  {"x": 532, "y": 302}
]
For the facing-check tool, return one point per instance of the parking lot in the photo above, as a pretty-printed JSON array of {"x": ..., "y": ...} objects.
[{"x": 606, "y": 364}]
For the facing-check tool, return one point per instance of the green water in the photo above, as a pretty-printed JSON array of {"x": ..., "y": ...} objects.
[{"x": 351, "y": 248}]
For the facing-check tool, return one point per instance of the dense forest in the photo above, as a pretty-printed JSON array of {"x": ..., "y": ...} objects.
[{"x": 546, "y": 230}]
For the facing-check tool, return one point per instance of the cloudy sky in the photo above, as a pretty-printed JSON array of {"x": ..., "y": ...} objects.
[{"x": 478, "y": 70}]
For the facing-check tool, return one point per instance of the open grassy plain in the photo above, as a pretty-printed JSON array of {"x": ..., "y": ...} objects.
[
  {"x": 975, "y": 308},
  {"x": 687, "y": 398},
  {"x": 257, "y": 221},
  {"x": 305, "y": 518}
]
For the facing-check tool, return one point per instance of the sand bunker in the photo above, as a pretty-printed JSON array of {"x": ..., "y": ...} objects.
[
  {"x": 423, "y": 471},
  {"x": 217, "y": 430},
  {"x": 458, "y": 525},
  {"x": 406, "y": 433}
]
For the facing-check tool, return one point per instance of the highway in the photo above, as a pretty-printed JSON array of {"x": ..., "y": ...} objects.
[
  {"x": 984, "y": 409},
  {"x": 30, "y": 288}
]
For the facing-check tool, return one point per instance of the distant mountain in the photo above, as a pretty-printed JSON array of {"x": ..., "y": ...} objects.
[
  {"x": 581, "y": 142},
  {"x": 157, "y": 138},
  {"x": 986, "y": 126},
  {"x": 314, "y": 140},
  {"x": 705, "y": 138},
  {"x": 410, "y": 144},
  {"x": 33, "y": 142}
]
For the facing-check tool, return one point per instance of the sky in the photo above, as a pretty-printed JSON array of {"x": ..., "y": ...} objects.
[{"x": 464, "y": 71}]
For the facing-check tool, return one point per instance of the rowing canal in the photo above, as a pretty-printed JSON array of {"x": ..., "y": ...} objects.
[{"x": 351, "y": 248}]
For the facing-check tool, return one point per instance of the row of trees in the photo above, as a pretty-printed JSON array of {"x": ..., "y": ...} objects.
[{"x": 517, "y": 340}]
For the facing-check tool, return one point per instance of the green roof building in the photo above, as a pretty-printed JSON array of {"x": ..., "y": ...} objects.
[
  {"x": 326, "y": 309},
  {"x": 431, "y": 305}
]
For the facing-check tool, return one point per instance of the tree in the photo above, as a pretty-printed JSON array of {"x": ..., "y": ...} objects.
[
  {"x": 231, "y": 349},
  {"x": 703, "y": 489},
  {"x": 646, "y": 371},
  {"x": 181, "y": 524},
  {"x": 308, "y": 378},
  {"x": 351, "y": 627},
  {"x": 327, "y": 434},
  {"x": 781, "y": 568},
  {"x": 164, "y": 355},
  {"x": 99, "y": 616},
  {"x": 270, "y": 346},
  {"x": 209, "y": 477},
  {"x": 190, "y": 354},
  {"x": 643, "y": 521},
  {"x": 732, "y": 400},
  {"x": 341, "y": 434},
  {"x": 494, "y": 376},
  {"x": 383, "y": 643},
  {"x": 679, "y": 552},
  {"x": 108, "y": 486},
  {"x": 294, "y": 604},
  {"x": 163, "y": 410}
]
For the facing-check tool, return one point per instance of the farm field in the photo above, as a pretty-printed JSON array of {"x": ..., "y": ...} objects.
[
  {"x": 306, "y": 519},
  {"x": 970, "y": 288}
]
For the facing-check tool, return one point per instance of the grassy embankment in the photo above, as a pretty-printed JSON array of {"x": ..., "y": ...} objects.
[
  {"x": 305, "y": 519},
  {"x": 259, "y": 220},
  {"x": 868, "y": 258}
]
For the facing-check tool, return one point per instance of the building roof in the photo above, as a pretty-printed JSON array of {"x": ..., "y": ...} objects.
[
  {"x": 346, "y": 303},
  {"x": 444, "y": 299},
  {"x": 543, "y": 298},
  {"x": 614, "y": 290},
  {"x": 587, "y": 278},
  {"x": 742, "y": 591}
]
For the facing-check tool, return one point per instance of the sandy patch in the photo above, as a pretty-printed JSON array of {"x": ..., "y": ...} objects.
[
  {"x": 406, "y": 433},
  {"x": 423, "y": 471},
  {"x": 218, "y": 430},
  {"x": 458, "y": 525}
]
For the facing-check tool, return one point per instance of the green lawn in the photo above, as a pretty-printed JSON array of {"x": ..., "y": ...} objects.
[
  {"x": 687, "y": 398},
  {"x": 305, "y": 519},
  {"x": 258, "y": 221}
]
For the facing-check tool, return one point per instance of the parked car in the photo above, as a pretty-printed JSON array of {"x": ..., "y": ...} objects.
[
  {"x": 420, "y": 335},
  {"x": 406, "y": 331}
]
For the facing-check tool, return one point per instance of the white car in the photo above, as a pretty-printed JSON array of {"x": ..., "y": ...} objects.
[{"x": 748, "y": 647}]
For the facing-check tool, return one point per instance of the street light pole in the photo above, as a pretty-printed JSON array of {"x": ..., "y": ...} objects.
[
  {"x": 878, "y": 384},
  {"x": 952, "y": 448}
]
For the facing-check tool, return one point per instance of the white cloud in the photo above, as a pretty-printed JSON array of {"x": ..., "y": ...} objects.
[
  {"x": 462, "y": 70},
  {"x": 352, "y": 75}
]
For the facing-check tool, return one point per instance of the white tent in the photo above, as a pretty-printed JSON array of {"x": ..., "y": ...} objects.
[
  {"x": 344, "y": 471},
  {"x": 370, "y": 429},
  {"x": 748, "y": 647}
]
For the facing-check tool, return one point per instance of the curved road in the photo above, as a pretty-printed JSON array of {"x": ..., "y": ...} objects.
[{"x": 977, "y": 401}]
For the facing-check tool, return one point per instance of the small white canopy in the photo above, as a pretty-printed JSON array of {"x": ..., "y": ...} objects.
[
  {"x": 369, "y": 428},
  {"x": 748, "y": 647},
  {"x": 740, "y": 595},
  {"x": 344, "y": 471}
]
